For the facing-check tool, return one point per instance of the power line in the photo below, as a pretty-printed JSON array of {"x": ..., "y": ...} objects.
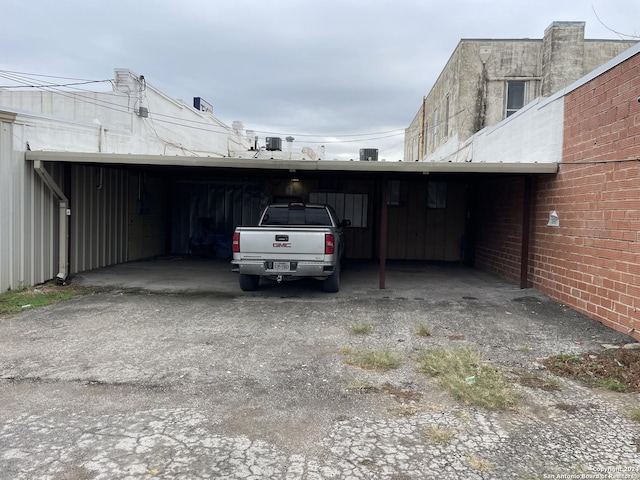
[
  {"x": 51, "y": 76},
  {"x": 54, "y": 84},
  {"x": 26, "y": 81}
]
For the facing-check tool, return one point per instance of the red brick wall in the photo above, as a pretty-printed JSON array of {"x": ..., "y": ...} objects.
[
  {"x": 498, "y": 226},
  {"x": 591, "y": 262}
]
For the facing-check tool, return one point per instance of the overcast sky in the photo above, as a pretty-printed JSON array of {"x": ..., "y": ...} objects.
[{"x": 318, "y": 71}]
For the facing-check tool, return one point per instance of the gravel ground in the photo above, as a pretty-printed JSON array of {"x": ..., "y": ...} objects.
[{"x": 192, "y": 378}]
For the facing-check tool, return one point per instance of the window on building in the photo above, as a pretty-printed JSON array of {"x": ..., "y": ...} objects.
[
  {"x": 446, "y": 118},
  {"x": 515, "y": 97},
  {"x": 437, "y": 195}
]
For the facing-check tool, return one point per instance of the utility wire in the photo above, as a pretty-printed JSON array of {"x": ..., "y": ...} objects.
[
  {"x": 55, "y": 84},
  {"x": 24, "y": 81}
]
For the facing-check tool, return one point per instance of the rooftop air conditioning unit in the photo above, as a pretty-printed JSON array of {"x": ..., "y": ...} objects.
[
  {"x": 369, "y": 154},
  {"x": 274, "y": 144}
]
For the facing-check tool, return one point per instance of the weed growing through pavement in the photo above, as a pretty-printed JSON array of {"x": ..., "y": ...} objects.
[
  {"x": 479, "y": 464},
  {"x": 423, "y": 330},
  {"x": 362, "y": 386},
  {"x": 384, "y": 359},
  {"x": 404, "y": 410},
  {"x": 361, "y": 329},
  {"x": 634, "y": 414},
  {"x": 467, "y": 378},
  {"x": 441, "y": 436},
  {"x": 533, "y": 380}
]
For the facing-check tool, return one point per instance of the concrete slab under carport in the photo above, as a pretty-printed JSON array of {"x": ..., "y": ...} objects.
[
  {"x": 187, "y": 274},
  {"x": 455, "y": 289}
]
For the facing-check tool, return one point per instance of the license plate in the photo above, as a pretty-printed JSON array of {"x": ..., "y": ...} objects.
[{"x": 281, "y": 266}]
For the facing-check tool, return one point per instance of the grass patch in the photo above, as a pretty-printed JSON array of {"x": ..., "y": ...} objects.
[
  {"x": 372, "y": 359},
  {"x": 362, "y": 386},
  {"x": 16, "y": 301},
  {"x": 467, "y": 378},
  {"x": 360, "y": 329},
  {"x": 479, "y": 464},
  {"x": 532, "y": 380},
  {"x": 562, "y": 360},
  {"x": 441, "y": 436},
  {"x": 404, "y": 410},
  {"x": 617, "y": 369},
  {"x": 634, "y": 414},
  {"x": 423, "y": 330},
  {"x": 612, "y": 384}
]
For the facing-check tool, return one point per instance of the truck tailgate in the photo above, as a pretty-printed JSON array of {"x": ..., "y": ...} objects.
[{"x": 272, "y": 243}]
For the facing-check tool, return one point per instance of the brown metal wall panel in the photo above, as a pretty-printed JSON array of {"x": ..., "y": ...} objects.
[
  {"x": 147, "y": 216},
  {"x": 419, "y": 233},
  {"x": 98, "y": 217}
]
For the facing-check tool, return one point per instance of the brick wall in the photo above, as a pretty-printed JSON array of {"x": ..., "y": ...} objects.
[
  {"x": 498, "y": 226},
  {"x": 591, "y": 262}
]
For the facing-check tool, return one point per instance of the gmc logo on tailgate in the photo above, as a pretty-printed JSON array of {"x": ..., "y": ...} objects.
[{"x": 281, "y": 245}]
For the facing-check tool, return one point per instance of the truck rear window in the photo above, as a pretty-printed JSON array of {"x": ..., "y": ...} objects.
[{"x": 285, "y": 215}]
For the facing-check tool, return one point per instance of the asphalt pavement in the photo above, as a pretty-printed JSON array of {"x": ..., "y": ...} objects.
[{"x": 170, "y": 371}]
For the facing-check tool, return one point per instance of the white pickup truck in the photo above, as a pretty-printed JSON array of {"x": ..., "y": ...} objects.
[{"x": 291, "y": 240}]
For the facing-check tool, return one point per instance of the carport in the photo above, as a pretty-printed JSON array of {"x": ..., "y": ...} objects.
[{"x": 120, "y": 207}]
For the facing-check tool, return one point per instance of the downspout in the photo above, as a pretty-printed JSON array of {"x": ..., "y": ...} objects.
[{"x": 63, "y": 221}]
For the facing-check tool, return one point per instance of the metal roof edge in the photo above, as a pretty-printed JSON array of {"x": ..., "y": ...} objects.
[{"x": 292, "y": 165}]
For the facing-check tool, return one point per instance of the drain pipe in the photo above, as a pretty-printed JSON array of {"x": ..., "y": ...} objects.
[{"x": 63, "y": 221}]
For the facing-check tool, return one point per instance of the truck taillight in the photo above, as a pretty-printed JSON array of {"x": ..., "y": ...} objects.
[
  {"x": 235, "y": 246},
  {"x": 329, "y": 244}
]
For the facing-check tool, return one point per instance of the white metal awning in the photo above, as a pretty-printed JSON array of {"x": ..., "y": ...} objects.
[{"x": 293, "y": 165}]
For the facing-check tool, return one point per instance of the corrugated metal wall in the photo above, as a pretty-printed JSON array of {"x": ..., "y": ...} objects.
[
  {"x": 98, "y": 203},
  {"x": 28, "y": 215},
  {"x": 148, "y": 218},
  {"x": 227, "y": 206}
]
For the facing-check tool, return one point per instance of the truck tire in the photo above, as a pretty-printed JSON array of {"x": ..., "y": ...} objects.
[
  {"x": 249, "y": 283},
  {"x": 331, "y": 284}
]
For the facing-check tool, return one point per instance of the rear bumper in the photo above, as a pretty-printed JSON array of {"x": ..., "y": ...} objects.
[{"x": 297, "y": 269}]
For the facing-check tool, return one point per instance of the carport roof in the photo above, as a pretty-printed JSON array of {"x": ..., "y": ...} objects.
[{"x": 292, "y": 165}]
